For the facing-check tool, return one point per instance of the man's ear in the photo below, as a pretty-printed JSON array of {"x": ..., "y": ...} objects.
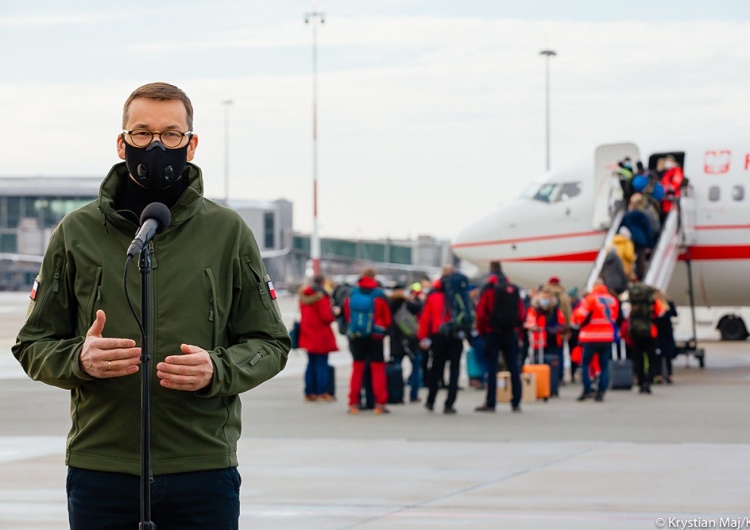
[
  {"x": 120, "y": 147},
  {"x": 192, "y": 145}
]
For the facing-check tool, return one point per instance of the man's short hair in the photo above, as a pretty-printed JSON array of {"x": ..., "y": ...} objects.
[
  {"x": 161, "y": 92},
  {"x": 368, "y": 273},
  {"x": 447, "y": 269}
]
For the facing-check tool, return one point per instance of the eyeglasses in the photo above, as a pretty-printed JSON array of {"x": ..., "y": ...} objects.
[{"x": 144, "y": 137}]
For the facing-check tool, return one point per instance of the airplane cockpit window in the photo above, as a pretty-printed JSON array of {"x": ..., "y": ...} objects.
[
  {"x": 551, "y": 192},
  {"x": 714, "y": 193},
  {"x": 738, "y": 192},
  {"x": 569, "y": 190}
]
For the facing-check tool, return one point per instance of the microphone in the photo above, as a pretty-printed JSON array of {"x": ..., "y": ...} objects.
[{"x": 155, "y": 218}]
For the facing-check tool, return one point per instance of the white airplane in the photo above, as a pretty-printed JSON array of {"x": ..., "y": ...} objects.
[{"x": 559, "y": 226}]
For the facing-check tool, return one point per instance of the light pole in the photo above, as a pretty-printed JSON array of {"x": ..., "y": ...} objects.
[
  {"x": 227, "y": 103},
  {"x": 547, "y": 54},
  {"x": 314, "y": 18}
]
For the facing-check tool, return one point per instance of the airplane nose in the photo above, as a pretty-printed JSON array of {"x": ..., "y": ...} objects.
[{"x": 483, "y": 240}]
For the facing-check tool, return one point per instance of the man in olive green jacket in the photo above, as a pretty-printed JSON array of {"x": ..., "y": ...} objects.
[{"x": 217, "y": 331}]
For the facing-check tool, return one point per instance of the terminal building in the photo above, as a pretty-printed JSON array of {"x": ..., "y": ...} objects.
[{"x": 31, "y": 208}]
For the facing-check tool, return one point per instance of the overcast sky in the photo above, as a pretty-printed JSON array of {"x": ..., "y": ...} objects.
[{"x": 431, "y": 112}]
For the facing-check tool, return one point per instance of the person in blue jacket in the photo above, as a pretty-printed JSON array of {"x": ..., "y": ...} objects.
[{"x": 642, "y": 236}]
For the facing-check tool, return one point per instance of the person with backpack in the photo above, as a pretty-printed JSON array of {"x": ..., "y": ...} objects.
[
  {"x": 597, "y": 317},
  {"x": 645, "y": 309},
  {"x": 368, "y": 317},
  {"x": 441, "y": 331},
  {"x": 316, "y": 336},
  {"x": 500, "y": 315},
  {"x": 403, "y": 333}
]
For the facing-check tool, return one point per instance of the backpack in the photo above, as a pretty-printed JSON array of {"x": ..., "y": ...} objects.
[
  {"x": 641, "y": 298},
  {"x": 406, "y": 322},
  {"x": 458, "y": 302},
  {"x": 504, "y": 315},
  {"x": 362, "y": 313}
]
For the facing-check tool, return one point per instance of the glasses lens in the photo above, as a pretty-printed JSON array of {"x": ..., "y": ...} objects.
[
  {"x": 171, "y": 138},
  {"x": 141, "y": 137}
]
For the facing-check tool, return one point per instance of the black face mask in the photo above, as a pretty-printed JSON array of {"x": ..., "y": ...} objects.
[{"x": 155, "y": 167}]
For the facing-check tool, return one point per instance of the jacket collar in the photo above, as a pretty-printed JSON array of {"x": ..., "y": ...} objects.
[{"x": 186, "y": 207}]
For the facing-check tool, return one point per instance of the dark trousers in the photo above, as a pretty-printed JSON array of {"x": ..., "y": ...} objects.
[
  {"x": 180, "y": 501},
  {"x": 445, "y": 349},
  {"x": 647, "y": 365},
  {"x": 316, "y": 374},
  {"x": 604, "y": 351},
  {"x": 507, "y": 342}
]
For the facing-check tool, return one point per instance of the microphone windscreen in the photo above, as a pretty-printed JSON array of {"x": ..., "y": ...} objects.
[{"x": 159, "y": 213}]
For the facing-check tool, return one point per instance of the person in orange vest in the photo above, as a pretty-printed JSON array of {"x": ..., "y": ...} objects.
[
  {"x": 597, "y": 317},
  {"x": 546, "y": 322}
]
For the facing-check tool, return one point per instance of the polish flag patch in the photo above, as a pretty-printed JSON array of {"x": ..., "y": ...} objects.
[
  {"x": 271, "y": 289},
  {"x": 34, "y": 290}
]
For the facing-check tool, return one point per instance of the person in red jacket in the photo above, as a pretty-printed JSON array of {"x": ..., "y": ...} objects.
[
  {"x": 597, "y": 317},
  {"x": 500, "y": 314},
  {"x": 316, "y": 336},
  {"x": 672, "y": 182},
  {"x": 368, "y": 316},
  {"x": 444, "y": 348}
]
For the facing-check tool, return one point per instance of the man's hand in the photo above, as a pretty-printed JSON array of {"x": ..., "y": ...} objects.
[
  {"x": 104, "y": 358},
  {"x": 191, "y": 371}
]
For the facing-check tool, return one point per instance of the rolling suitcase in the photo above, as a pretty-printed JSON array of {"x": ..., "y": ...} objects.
[
  {"x": 555, "y": 369},
  {"x": 620, "y": 371},
  {"x": 542, "y": 373},
  {"x": 332, "y": 380},
  {"x": 394, "y": 375}
]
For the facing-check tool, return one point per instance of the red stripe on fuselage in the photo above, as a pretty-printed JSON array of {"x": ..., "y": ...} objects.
[
  {"x": 697, "y": 253},
  {"x": 718, "y": 252},
  {"x": 722, "y": 227},
  {"x": 576, "y": 234},
  {"x": 587, "y": 256},
  {"x": 528, "y": 239}
]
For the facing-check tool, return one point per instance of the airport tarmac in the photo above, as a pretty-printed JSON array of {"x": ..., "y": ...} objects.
[{"x": 679, "y": 458}]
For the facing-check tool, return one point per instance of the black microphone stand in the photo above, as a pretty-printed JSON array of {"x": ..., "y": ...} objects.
[{"x": 144, "y": 266}]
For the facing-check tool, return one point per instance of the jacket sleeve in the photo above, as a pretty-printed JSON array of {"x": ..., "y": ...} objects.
[
  {"x": 382, "y": 312},
  {"x": 425, "y": 319},
  {"x": 530, "y": 321},
  {"x": 580, "y": 313},
  {"x": 484, "y": 309},
  {"x": 50, "y": 340},
  {"x": 660, "y": 309},
  {"x": 325, "y": 311},
  {"x": 260, "y": 342},
  {"x": 346, "y": 311}
]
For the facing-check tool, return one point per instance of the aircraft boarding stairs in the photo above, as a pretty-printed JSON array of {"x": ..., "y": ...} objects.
[{"x": 677, "y": 235}]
